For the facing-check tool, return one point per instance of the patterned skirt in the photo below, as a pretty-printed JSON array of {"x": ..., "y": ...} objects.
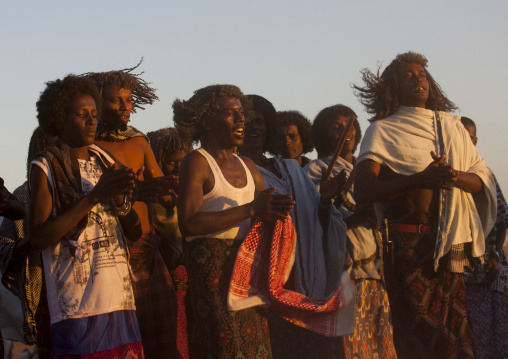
[
  {"x": 373, "y": 335},
  {"x": 156, "y": 303},
  {"x": 429, "y": 308},
  {"x": 487, "y": 310},
  {"x": 180, "y": 280},
  {"x": 127, "y": 351},
  {"x": 214, "y": 331}
]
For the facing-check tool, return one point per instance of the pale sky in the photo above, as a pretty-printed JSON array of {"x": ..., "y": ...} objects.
[{"x": 300, "y": 55}]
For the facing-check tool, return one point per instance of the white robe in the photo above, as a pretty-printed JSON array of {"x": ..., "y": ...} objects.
[{"x": 403, "y": 142}]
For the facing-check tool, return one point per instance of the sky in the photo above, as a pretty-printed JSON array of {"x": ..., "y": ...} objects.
[{"x": 300, "y": 55}]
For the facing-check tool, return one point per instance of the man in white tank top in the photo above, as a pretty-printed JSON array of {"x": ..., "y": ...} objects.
[{"x": 219, "y": 194}]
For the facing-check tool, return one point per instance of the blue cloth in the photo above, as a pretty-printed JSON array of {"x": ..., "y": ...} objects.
[{"x": 96, "y": 333}]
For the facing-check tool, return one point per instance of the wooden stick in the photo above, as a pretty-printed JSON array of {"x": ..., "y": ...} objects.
[{"x": 340, "y": 145}]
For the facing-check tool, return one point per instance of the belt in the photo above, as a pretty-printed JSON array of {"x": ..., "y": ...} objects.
[{"x": 413, "y": 228}]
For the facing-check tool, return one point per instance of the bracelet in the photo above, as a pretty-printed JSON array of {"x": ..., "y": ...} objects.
[{"x": 124, "y": 208}]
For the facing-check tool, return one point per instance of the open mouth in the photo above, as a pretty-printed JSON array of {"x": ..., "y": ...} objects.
[
  {"x": 419, "y": 89},
  {"x": 239, "y": 131}
]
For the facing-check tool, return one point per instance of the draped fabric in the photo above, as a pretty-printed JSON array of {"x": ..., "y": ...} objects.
[
  {"x": 403, "y": 142},
  {"x": 261, "y": 270}
]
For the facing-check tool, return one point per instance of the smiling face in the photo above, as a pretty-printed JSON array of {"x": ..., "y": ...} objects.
[
  {"x": 335, "y": 130},
  {"x": 80, "y": 122},
  {"x": 227, "y": 129},
  {"x": 255, "y": 132},
  {"x": 413, "y": 85},
  {"x": 290, "y": 143},
  {"x": 119, "y": 100}
]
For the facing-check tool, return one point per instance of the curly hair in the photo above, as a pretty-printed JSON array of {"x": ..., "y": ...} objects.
[
  {"x": 266, "y": 108},
  {"x": 189, "y": 116},
  {"x": 286, "y": 118},
  {"x": 321, "y": 126},
  {"x": 55, "y": 100},
  {"x": 142, "y": 93},
  {"x": 165, "y": 142},
  {"x": 380, "y": 95}
]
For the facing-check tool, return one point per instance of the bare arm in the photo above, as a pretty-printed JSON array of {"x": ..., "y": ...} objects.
[
  {"x": 368, "y": 187},
  {"x": 46, "y": 231},
  {"x": 194, "y": 172},
  {"x": 469, "y": 182}
]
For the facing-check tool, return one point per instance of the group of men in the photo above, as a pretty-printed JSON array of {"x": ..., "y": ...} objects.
[{"x": 86, "y": 264}]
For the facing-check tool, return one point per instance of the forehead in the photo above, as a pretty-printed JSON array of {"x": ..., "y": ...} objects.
[
  {"x": 115, "y": 91},
  {"x": 413, "y": 67},
  {"x": 290, "y": 128},
  {"x": 229, "y": 102},
  {"x": 82, "y": 101},
  {"x": 341, "y": 120}
]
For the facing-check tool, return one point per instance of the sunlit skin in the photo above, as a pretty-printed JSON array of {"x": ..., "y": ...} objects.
[
  {"x": 290, "y": 143},
  {"x": 78, "y": 131},
  {"x": 118, "y": 99},
  {"x": 377, "y": 183},
  {"x": 135, "y": 153},
  {"x": 413, "y": 85},
  {"x": 224, "y": 133}
]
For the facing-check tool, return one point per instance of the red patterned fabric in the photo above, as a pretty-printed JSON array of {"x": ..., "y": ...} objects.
[
  {"x": 127, "y": 351},
  {"x": 252, "y": 276}
]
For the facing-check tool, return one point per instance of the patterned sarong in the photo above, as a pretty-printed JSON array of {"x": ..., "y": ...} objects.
[
  {"x": 155, "y": 299},
  {"x": 487, "y": 310},
  {"x": 214, "y": 331},
  {"x": 429, "y": 308},
  {"x": 180, "y": 280},
  {"x": 372, "y": 337},
  {"x": 127, "y": 351}
]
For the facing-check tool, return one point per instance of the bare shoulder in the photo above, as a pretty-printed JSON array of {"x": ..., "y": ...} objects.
[
  {"x": 195, "y": 162},
  {"x": 249, "y": 163}
]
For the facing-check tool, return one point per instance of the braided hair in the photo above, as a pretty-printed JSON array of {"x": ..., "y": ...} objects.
[{"x": 165, "y": 142}]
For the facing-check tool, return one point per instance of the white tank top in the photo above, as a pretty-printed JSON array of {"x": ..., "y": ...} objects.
[{"x": 223, "y": 196}]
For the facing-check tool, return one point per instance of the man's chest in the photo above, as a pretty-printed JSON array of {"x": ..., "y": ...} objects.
[{"x": 128, "y": 153}]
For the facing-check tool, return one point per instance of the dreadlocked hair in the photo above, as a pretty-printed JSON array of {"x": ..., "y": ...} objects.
[
  {"x": 380, "y": 95},
  {"x": 55, "y": 100},
  {"x": 38, "y": 142},
  {"x": 189, "y": 116},
  {"x": 266, "y": 108},
  {"x": 142, "y": 93},
  {"x": 321, "y": 127},
  {"x": 286, "y": 118},
  {"x": 165, "y": 142}
]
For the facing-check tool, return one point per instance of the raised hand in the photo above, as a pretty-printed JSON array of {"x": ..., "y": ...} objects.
[
  {"x": 114, "y": 182},
  {"x": 330, "y": 188},
  {"x": 438, "y": 173},
  {"x": 272, "y": 206}
]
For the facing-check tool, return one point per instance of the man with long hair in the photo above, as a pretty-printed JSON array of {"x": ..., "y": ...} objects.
[
  {"x": 437, "y": 200},
  {"x": 123, "y": 92}
]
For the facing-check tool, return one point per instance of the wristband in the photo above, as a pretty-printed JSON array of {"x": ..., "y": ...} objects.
[{"x": 124, "y": 208}]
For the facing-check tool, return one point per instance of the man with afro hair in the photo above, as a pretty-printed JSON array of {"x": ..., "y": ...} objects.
[
  {"x": 80, "y": 221},
  {"x": 219, "y": 194},
  {"x": 294, "y": 136},
  {"x": 123, "y": 92},
  {"x": 438, "y": 204}
]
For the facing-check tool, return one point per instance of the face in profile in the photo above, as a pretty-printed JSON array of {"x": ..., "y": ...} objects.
[
  {"x": 80, "y": 123},
  {"x": 413, "y": 85}
]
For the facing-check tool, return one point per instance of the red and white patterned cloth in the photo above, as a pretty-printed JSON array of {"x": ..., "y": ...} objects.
[{"x": 262, "y": 268}]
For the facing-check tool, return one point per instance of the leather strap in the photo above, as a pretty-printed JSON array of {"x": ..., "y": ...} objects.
[{"x": 413, "y": 228}]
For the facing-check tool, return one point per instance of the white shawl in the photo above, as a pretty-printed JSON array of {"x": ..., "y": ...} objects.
[{"x": 403, "y": 142}]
